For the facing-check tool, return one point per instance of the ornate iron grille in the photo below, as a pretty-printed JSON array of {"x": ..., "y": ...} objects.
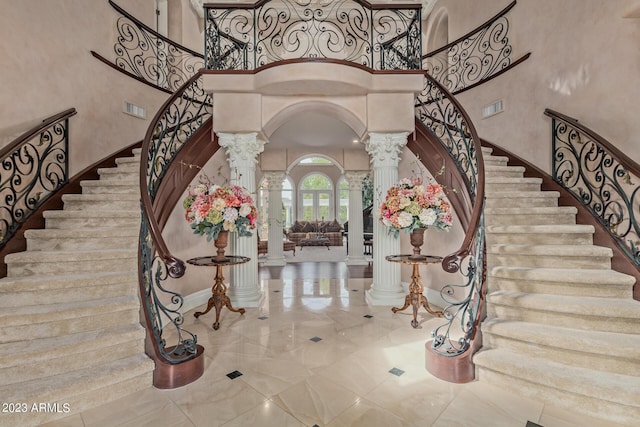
[
  {"x": 33, "y": 168},
  {"x": 474, "y": 57},
  {"x": 251, "y": 37},
  {"x": 179, "y": 119},
  {"x": 436, "y": 109},
  {"x": 593, "y": 173},
  {"x": 152, "y": 57}
]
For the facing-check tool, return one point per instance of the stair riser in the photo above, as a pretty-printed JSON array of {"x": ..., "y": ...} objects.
[
  {"x": 80, "y": 401},
  {"x": 120, "y": 242},
  {"x": 20, "y": 269},
  {"x": 75, "y": 222},
  {"x": 68, "y": 326},
  {"x": 582, "y": 358},
  {"x": 539, "y": 239},
  {"x": 522, "y": 202},
  {"x": 60, "y": 296},
  {"x": 63, "y": 363},
  {"x": 112, "y": 189},
  {"x": 559, "y": 288},
  {"x": 586, "y": 321},
  {"x": 107, "y": 205},
  {"x": 500, "y": 187},
  {"x": 549, "y": 261},
  {"x": 118, "y": 174},
  {"x": 575, "y": 403},
  {"x": 495, "y": 161},
  {"x": 507, "y": 219},
  {"x": 503, "y": 174}
]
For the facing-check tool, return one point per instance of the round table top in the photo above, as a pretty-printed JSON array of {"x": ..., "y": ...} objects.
[
  {"x": 229, "y": 260},
  {"x": 406, "y": 259}
]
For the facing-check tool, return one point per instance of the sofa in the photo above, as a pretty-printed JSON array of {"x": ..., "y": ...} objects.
[
  {"x": 304, "y": 229},
  {"x": 287, "y": 245}
]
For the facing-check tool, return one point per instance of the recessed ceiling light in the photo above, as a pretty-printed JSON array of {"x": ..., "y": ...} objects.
[{"x": 355, "y": 141}]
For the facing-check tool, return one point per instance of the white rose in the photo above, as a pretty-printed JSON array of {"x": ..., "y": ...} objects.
[
  {"x": 428, "y": 216},
  {"x": 245, "y": 209},
  {"x": 405, "y": 219}
]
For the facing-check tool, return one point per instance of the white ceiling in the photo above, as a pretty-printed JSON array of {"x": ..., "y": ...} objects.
[{"x": 313, "y": 130}]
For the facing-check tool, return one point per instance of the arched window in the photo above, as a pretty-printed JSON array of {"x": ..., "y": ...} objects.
[{"x": 315, "y": 198}]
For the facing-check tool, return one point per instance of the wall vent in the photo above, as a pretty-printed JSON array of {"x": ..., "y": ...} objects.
[
  {"x": 492, "y": 109},
  {"x": 134, "y": 110}
]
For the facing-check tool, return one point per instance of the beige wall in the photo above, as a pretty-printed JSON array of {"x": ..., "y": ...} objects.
[
  {"x": 47, "y": 68},
  {"x": 585, "y": 63}
]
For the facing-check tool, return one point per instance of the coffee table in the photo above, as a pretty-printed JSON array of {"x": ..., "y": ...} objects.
[{"x": 315, "y": 241}]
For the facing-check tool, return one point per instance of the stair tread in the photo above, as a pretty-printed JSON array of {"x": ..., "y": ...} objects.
[
  {"x": 45, "y": 282},
  {"x": 527, "y": 194},
  {"x": 53, "y": 347},
  {"x": 597, "y": 342},
  {"x": 508, "y": 180},
  {"x": 100, "y": 197},
  {"x": 613, "y": 387},
  {"x": 89, "y": 232},
  {"x": 121, "y": 213},
  {"x": 550, "y": 250},
  {"x": 134, "y": 182},
  {"x": 547, "y": 228},
  {"x": 496, "y": 168},
  {"x": 532, "y": 210},
  {"x": 71, "y": 309},
  {"x": 567, "y": 275},
  {"x": 56, "y": 388},
  {"x": 594, "y": 306},
  {"x": 62, "y": 256}
]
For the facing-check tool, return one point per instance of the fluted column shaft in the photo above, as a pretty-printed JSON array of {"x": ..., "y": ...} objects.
[
  {"x": 242, "y": 150},
  {"x": 356, "y": 229},
  {"x": 275, "y": 221},
  {"x": 384, "y": 149}
]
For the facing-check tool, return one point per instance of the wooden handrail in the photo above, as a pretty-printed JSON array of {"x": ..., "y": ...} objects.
[
  {"x": 128, "y": 73},
  {"x": 39, "y": 128}
]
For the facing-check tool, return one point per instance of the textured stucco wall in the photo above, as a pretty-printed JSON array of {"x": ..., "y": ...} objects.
[
  {"x": 47, "y": 68},
  {"x": 585, "y": 62}
]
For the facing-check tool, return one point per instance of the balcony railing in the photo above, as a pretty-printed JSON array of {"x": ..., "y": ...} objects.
[{"x": 380, "y": 37}]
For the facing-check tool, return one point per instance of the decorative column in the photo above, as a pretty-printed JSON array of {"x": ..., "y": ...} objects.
[
  {"x": 275, "y": 254},
  {"x": 356, "y": 229},
  {"x": 242, "y": 151},
  {"x": 384, "y": 149}
]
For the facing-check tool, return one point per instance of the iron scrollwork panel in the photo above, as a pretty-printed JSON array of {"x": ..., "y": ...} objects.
[
  {"x": 398, "y": 40},
  {"x": 473, "y": 59},
  {"x": 600, "y": 182},
  {"x": 152, "y": 58},
  {"x": 30, "y": 174},
  {"x": 154, "y": 272},
  {"x": 229, "y": 39}
]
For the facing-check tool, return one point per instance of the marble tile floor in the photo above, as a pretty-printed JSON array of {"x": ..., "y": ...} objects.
[{"x": 315, "y": 354}]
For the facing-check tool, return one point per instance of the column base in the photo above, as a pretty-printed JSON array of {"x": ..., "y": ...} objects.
[
  {"x": 357, "y": 261},
  {"x": 384, "y": 298},
  {"x": 274, "y": 262},
  {"x": 252, "y": 300}
]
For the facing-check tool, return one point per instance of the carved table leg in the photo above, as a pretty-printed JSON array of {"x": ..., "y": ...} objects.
[
  {"x": 219, "y": 299},
  {"x": 416, "y": 299}
]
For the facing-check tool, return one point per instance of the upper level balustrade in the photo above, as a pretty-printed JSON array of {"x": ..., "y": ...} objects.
[{"x": 381, "y": 37}]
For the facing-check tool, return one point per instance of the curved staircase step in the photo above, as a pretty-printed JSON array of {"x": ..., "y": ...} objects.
[
  {"x": 561, "y": 281},
  {"x": 92, "y": 218},
  {"x": 523, "y": 199},
  {"x": 81, "y": 389},
  {"x": 550, "y": 256},
  {"x": 553, "y": 234},
  {"x": 107, "y": 202},
  {"x": 560, "y": 344},
  {"x": 530, "y": 215},
  {"x": 500, "y": 184},
  {"x": 610, "y": 396},
  {"x": 567, "y": 311},
  {"x": 65, "y": 262},
  {"x": 67, "y": 239},
  {"x": 55, "y": 355}
]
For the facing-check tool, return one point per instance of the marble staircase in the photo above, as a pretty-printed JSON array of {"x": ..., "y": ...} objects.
[
  {"x": 70, "y": 334},
  {"x": 561, "y": 326}
]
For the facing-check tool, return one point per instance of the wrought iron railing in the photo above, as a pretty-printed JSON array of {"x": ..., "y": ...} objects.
[
  {"x": 443, "y": 116},
  {"x": 151, "y": 57},
  {"x": 601, "y": 177},
  {"x": 248, "y": 37},
  {"x": 179, "y": 119},
  {"x": 34, "y": 166},
  {"x": 475, "y": 57}
]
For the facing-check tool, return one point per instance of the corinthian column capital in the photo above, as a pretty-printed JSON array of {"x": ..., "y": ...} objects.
[
  {"x": 242, "y": 148},
  {"x": 355, "y": 178},
  {"x": 384, "y": 148}
]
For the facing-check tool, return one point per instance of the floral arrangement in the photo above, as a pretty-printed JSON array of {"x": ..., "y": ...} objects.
[
  {"x": 212, "y": 208},
  {"x": 410, "y": 205}
]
